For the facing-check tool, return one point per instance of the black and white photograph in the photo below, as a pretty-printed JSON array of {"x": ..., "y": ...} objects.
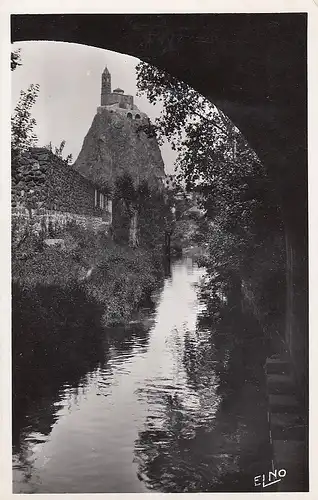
[{"x": 159, "y": 252}]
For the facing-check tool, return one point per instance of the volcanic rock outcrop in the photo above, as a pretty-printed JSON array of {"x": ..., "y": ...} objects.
[{"x": 120, "y": 140}]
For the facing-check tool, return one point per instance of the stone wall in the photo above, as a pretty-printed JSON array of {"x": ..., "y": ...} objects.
[
  {"x": 50, "y": 222},
  {"x": 47, "y": 194},
  {"x": 123, "y": 100},
  {"x": 42, "y": 180}
]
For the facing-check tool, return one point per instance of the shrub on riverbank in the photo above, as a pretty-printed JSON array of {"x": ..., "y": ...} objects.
[
  {"x": 115, "y": 277},
  {"x": 61, "y": 301}
]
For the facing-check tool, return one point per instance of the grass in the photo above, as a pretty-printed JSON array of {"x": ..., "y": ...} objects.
[{"x": 59, "y": 314}]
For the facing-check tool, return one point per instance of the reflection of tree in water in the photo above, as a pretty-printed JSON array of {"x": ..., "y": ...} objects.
[
  {"x": 41, "y": 392},
  {"x": 31, "y": 428},
  {"x": 34, "y": 421},
  {"x": 221, "y": 442},
  {"x": 37, "y": 408}
]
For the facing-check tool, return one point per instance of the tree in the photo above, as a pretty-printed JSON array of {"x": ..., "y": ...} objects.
[
  {"x": 215, "y": 159},
  {"x": 213, "y": 156},
  {"x": 140, "y": 214},
  {"x": 128, "y": 195},
  {"x": 15, "y": 59},
  {"x": 22, "y": 122}
]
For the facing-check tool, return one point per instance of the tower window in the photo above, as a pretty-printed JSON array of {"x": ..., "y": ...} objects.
[
  {"x": 137, "y": 116},
  {"x": 129, "y": 115}
]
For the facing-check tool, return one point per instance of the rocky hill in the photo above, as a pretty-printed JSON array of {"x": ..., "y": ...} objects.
[{"x": 119, "y": 142}]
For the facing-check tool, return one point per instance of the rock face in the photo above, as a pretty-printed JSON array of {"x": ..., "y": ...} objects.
[{"x": 120, "y": 141}]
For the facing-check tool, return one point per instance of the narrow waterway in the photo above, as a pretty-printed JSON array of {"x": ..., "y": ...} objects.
[{"x": 160, "y": 413}]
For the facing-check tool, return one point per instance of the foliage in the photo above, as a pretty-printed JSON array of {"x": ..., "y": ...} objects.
[
  {"x": 120, "y": 276},
  {"x": 60, "y": 310},
  {"x": 58, "y": 151},
  {"x": 15, "y": 59},
  {"x": 242, "y": 215},
  {"x": 185, "y": 113},
  {"x": 56, "y": 337},
  {"x": 152, "y": 212},
  {"x": 126, "y": 191},
  {"x": 213, "y": 157},
  {"x": 22, "y": 122},
  {"x": 120, "y": 282}
]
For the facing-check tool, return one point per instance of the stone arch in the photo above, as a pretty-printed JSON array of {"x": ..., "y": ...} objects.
[
  {"x": 137, "y": 116},
  {"x": 252, "y": 79},
  {"x": 129, "y": 115}
]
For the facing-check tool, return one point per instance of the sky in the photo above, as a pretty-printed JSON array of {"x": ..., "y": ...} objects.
[{"x": 69, "y": 76}]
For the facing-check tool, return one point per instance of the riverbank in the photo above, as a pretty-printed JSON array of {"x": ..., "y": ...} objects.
[
  {"x": 174, "y": 404},
  {"x": 63, "y": 298}
]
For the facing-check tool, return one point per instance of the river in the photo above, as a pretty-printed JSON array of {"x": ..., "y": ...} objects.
[{"x": 172, "y": 407}]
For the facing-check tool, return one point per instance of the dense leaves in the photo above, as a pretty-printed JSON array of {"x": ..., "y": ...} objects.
[
  {"x": 119, "y": 276},
  {"x": 22, "y": 122},
  {"x": 15, "y": 59},
  {"x": 213, "y": 156},
  {"x": 214, "y": 159},
  {"x": 140, "y": 215}
]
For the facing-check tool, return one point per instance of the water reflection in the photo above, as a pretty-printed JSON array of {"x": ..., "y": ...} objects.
[
  {"x": 212, "y": 432},
  {"x": 168, "y": 407}
]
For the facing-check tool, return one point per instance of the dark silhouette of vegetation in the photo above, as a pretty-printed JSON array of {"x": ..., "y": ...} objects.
[
  {"x": 140, "y": 216},
  {"x": 243, "y": 219},
  {"x": 22, "y": 122},
  {"x": 15, "y": 59},
  {"x": 61, "y": 313},
  {"x": 58, "y": 151}
]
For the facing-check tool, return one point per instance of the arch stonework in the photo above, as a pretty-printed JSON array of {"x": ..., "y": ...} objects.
[{"x": 253, "y": 67}]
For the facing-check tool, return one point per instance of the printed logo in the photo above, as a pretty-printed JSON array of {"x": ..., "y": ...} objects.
[{"x": 267, "y": 480}]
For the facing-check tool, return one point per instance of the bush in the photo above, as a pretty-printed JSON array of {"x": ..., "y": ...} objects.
[
  {"x": 121, "y": 282},
  {"x": 59, "y": 314},
  {"x": 120, "y": 278}
]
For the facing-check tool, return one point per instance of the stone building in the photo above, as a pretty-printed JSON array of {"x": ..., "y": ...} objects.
[
  {"x": 51, "y": 193},
  {"x": 120, "y": 141},
  {"x": 117, "y": 98}
]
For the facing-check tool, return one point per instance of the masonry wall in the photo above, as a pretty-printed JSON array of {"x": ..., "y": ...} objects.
[
  {"x": 42, "y": 180},
  {"x": 47, "y": 194},
  {"x": 124, "y": 101},
  {"x": 48, "y": 223},
  {"x": 69, "y": 192}
]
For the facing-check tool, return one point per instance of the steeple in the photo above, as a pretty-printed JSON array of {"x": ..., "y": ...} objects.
[
  {"x": 116, "y": 97},
  {"x": 106, "y": 84}
]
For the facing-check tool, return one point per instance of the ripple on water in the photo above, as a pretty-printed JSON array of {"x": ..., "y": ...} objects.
[{"x": 147, "y": 418}]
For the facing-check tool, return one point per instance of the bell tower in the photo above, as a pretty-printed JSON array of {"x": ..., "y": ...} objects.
[{"x": 106, "y": 86}]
